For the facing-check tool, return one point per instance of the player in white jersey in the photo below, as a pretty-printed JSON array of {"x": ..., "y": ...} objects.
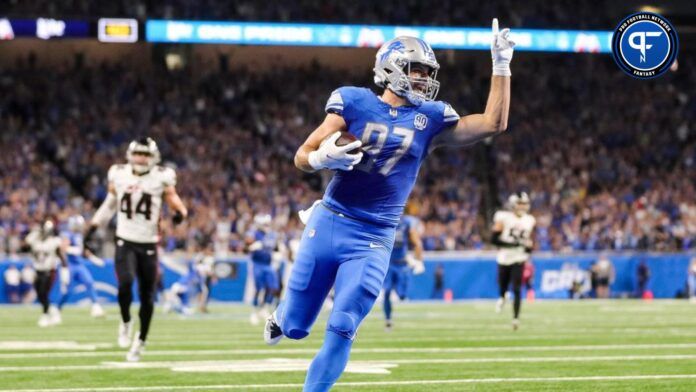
[
  {"x": 136, "y": 192},
  {"x": 46, "y": 248},
  {"x": 513, "y": 234}
]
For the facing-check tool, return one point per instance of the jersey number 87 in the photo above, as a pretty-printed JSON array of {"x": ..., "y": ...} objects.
[{"x": 382, "y": 132}]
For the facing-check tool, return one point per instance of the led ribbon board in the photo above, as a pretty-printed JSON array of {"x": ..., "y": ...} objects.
[{"x": 294, "y": 34}]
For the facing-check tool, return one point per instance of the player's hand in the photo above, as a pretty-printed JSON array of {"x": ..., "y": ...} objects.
[
  {"x": 418, "y": 267},
  {"x": 502, "y": 48},
  {"x": 331, "y": 156},
  {"x": 177, "y": 218}
]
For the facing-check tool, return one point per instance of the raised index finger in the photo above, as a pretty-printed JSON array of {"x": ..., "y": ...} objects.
[{"x": 495, "y": 26}]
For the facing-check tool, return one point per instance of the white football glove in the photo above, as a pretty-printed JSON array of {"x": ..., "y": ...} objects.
[
  {"x": 501, "y": 50},
  {"x": 417, "y": 266},
  {"x": 331, "y": 156}
]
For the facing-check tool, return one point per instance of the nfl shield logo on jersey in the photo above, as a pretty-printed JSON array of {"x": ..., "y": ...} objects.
[{"x": 420, "y": 122}]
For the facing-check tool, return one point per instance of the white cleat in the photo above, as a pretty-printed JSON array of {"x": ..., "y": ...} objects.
[
  {"x": 54, "y": 316},
  {"x": 97, "y": 311},
  {"x": 499, "y": 305},
  {"x": 515, "y": 324},
  {"x": 125, "y": 331},
  {"x": 272, "y": 334},
  {"x": 44, "y": 321},
  {"x": 136, "y": 351},
  {"x": 388, "y": 326}
]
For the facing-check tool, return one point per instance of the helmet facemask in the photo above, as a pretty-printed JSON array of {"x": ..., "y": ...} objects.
[
  {"x": 425, "y": 88},
  {"x": 520, "y": 203},
  {"x": 144, "y": 147}
]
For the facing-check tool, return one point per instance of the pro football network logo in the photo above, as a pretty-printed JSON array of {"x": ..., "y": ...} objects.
[{"x": 645, "y": 45}]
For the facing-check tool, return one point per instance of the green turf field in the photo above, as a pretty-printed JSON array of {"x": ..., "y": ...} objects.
[{"x": 586, "y": 346}]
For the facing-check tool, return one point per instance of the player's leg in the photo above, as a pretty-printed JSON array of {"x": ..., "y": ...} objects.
[
  {"x": 516, "y": 271},
  {"x": 404, "y": 278},
  {"x": 503, "y": 284},
  {"x": 389, "y": 282},
  {"x": 41, "y": 283},
  {"x": 261, "y": 291},
  {"x": 272, "y": 285},
  {"x": 308, "y": 287},
  {"x": 84, "y": 277},
  {"x": 71, "y": 287},
  {"x": 146, "y": 271},
  {"x": 125, "y": 261},
  {"x": 311, "y": 279},
  {"x": 185, "y": 299},
  {"x": 358, "y": 283}
]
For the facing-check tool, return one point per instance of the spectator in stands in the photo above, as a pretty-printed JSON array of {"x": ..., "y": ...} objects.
[{"x": 600, "y": 176}]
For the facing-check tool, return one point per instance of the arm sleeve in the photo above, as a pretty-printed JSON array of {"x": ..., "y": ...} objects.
[
  {"x": 449, "y": 117},
  {"x": 111, "y": 175},
  {"x": 169, "y": 177},
  {"x": 335, "y": 103},
  {"x": 105, "y": 211}
]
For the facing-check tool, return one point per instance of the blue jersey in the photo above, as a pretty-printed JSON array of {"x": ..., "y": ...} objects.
[
  {"x": 268, "y": 242},
  {"x": 395, "y": 142},
  {"x": 75, "y": 248},
  {"x": 192, "y": 276},
  {"x": 401, "y": 239}
]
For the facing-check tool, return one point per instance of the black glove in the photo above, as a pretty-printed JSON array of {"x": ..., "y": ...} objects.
[
  {"x": 497, "y": 241},
  {"x": 177, "y": 218},
  {"x": 90, "y": 233},
  {"x": 88, "y": 241}
]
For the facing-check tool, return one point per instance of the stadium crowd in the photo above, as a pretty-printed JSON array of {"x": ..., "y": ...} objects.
[
  {"x": 529, "y": 14},
  {"x": 609, "y": 162}
]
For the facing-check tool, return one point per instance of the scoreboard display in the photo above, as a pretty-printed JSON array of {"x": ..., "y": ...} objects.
[{"x": 117, "y": 30}]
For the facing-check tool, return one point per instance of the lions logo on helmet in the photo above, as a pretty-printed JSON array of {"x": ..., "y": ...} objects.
[
  {"x": 147, "y": 147},
  {"x": 393, "y": 67}
]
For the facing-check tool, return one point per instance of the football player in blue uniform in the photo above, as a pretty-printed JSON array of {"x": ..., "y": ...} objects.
[
  {"x": 77, "y": 256},
  {"x": 401, "y": 263},
  {"x": 191, "y": 284},
  {"x": 262, "y": 244},
  {"x": 348, "y": 238}
]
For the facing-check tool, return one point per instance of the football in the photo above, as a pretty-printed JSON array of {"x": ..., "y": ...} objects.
[{"x": 347, "y": 138}]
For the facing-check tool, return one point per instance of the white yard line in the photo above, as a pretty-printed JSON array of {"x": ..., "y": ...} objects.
[
  {"x": 371, "y": 383},
  {"x": 428, "y": 350},
  {"x": 268, "y": 363}
]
